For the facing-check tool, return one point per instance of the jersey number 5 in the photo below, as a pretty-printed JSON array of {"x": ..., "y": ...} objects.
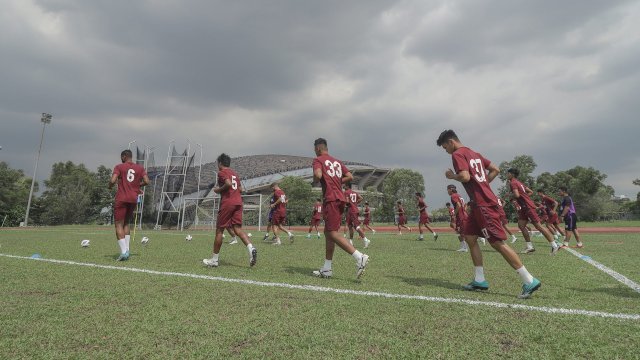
[{"x": 234, "y": 183}]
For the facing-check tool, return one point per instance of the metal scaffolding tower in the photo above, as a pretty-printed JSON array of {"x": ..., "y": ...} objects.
[{"x": 173, "y": 181}]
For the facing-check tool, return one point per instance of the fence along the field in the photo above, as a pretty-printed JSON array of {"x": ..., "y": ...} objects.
[{"x": 201, "y": 213}]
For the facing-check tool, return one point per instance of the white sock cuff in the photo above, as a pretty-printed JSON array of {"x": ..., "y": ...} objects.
[{"x": 357, "y": 255}]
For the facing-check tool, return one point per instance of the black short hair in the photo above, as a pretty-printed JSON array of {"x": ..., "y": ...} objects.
[
  {"x": 399, "y": 202},
  {"x": 347, "y": 185},
  {"x": 127, "y": 154},
  {"x": 224, "y": 159},
  {"x": 366, "y": 203},
  {"x": 452, "y": 187},
  {"x": 563, "y": 188},
  {"x": 317, "y": 199},
  {"x": 320, "y": 141},
  {"x": 274, "y": 184},
  {"x": 446, "y": 136},
  {"x": 448, "y": 204},
  {"x": 540, "y": 190},
  {"x": 513, "y": 171},
  {"x": 418, "y": 194}
]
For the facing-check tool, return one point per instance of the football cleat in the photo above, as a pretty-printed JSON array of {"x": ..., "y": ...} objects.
[
  {"x": 477, "y": 285},
  {"x": 323, "y": 273},
  {"x": 123, "y": 257},
  {"x": 209, "y": 263},
  {"x": 254, "y": 257},
  {"x": 527, "y": 251},
  {"x": 361, "y": 265},
  {"x": 527, "y": 290}
]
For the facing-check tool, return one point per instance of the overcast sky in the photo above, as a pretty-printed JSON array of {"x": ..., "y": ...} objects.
[{"x": 558, "y": 80}]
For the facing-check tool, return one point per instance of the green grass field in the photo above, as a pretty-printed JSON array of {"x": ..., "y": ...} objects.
[{"x": 60, "y": 310}]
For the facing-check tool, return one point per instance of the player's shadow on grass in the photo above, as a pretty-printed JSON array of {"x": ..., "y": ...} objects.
[
  {"x": 299, "y": 270},
  {"x": 115, "y": 257},
  {"x": 618, "y": 291},
  {"x": 428, "y": 282}
]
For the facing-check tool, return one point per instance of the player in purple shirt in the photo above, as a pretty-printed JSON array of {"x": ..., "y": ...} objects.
[
  {"x": 568, "y": 213},
  {"x": 475, "y": 173}
]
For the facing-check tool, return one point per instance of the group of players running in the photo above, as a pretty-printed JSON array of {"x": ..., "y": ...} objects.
[{"x": 481, "y": 218}]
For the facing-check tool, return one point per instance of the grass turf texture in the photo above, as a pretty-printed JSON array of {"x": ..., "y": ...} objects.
[{"x": 65, "y": 311}]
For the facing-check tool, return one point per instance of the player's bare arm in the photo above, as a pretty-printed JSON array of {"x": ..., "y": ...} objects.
[
  {"x": 113, "y": 180},
  {"x": 223, "y": 188},
  {"x": 317, "y": 174},
  {"x": 493, "y": 172},
  {"x": 145, "y": 180},
  {"x": 463, "y": 176},
  {"x": 516, "y": 193},
  {"x": 348, "y": 177}
]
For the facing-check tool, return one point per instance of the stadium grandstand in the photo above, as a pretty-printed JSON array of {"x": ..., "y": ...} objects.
[{"x": 257, "y": 173}]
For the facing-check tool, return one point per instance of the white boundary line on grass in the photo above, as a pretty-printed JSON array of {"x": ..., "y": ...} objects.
[
  {"x": 544, "y": 309},
  {"x": 621, "y": 278}
]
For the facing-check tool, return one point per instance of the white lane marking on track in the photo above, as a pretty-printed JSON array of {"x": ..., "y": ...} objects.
[
  {"x": 544, "y": 309},
  {"x": 621, "y": 278}
]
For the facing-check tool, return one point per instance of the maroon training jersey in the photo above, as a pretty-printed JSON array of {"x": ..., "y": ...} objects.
[
  {"x": 400, "y": 210},
  {"x": 367, "y": 212},
  {"x": 422, "y": 206},
  {"x": 452, "y": 213},
  {"x": 478, "y": 188},
  {"x": 232, "y": 195},
  {"x": 331, "y": 181},
  {"x": 458, "y": 203},
  {"x": 279, "y": 195},
  {"x": 352, "y": 200},
  {"x": 524, "y": 200},
  {"x": 317, "y": 211},
  {"x": 129, "y": 176},
  {"x": 549, "y": 203}
]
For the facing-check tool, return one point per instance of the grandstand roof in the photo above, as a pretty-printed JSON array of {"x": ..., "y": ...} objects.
[{"x": 257, "y": 172}]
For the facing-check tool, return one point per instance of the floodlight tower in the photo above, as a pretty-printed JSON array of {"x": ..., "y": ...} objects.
[{"x": 45, "y": 119}]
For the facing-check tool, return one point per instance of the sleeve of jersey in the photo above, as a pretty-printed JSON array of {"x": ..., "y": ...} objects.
[
  {"x": 459, "y": 163},
  {"x": 317, "y": 164},
  {"x": 513, "y": 186},
  {"x": 115, "y": 170},
  {"x": 344, "y": 168}
]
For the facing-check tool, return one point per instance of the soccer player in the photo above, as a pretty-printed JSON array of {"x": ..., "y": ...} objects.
[
  {"x": 424, "y": 217},
  {"x": 269, "y": 220},
  {"x": 331, "y": 173},
  {"x": 570, "y": 218},
  {"x": 460, "y": 215},
  {"x": 315, "y": 218},
  {"x": 279, "y": 213},
  {"x": 402, "y": 218},
  {"x": 527, "y": 212},
  {"x": 353, "y": 199},
  {"x": 230, "y": 211},
  {"x": 452, "y": 216},
  {"x": 130, "y": 177},
  {"x": 470, "y": 168},
  {"x": 505, "y": 222},
  {"x": 553, "y": 222},
  {"x": 367, "y": 217}
]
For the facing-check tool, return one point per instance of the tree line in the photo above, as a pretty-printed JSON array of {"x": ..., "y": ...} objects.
[{"x": 74, "y": 194}]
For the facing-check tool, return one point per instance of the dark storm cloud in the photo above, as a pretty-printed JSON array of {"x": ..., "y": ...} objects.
[
  {"x": 477, "y": 33},
  {"x": 379, "y": 79}
]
